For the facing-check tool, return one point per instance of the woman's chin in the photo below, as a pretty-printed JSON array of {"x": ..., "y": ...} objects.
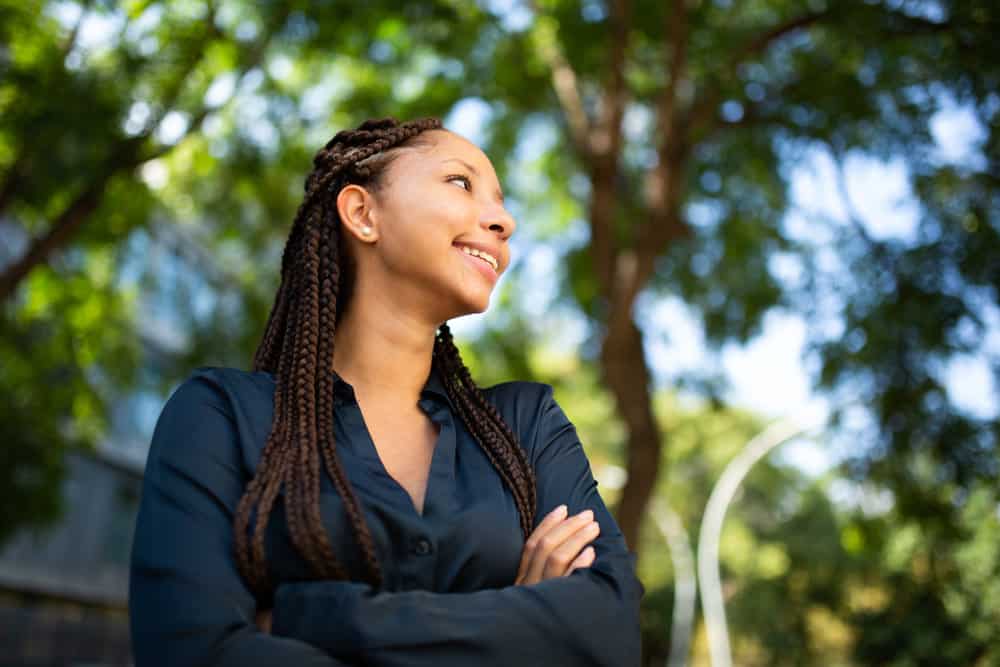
[
  {"x": 476, "y": 309},
  {"x": 473, "y": 304}
]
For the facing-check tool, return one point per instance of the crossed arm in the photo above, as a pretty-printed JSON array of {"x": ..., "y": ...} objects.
[
  {"x": 189, "y": 605},
  {"x": 556, "y": 547}
]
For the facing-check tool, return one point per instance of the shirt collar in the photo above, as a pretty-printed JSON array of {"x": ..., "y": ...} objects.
[{"x": 433, "y": 388}]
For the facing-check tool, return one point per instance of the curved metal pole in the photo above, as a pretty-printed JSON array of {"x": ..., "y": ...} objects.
[
  {"x": 711, "y": 531},
  {"x": 685, "y": 583}
]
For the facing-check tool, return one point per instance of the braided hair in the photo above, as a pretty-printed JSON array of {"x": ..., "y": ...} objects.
[{"x": 317, "y": 275}]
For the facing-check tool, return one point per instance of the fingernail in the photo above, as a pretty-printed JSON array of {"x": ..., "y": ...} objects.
[
  {"x": 560, "y": 510},
  {"x": 588, "y": 514}
]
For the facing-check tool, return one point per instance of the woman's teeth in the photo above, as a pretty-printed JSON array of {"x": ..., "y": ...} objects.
[{"x": 481, "y": 255}]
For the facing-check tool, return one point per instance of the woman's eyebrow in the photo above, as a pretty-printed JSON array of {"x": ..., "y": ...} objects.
[{"x": 475, "y": 171}]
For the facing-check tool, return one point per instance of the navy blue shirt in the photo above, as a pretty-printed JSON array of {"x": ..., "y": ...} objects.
[{"x": 448, "y": 596}]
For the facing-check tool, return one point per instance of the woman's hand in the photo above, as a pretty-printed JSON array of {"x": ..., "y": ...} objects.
[
  {"x": 554, "y": 548},
  {"x": 263, "y": 620}
]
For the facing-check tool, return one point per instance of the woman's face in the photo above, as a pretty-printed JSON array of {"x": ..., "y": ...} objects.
[{"x": 438, "y": 202}]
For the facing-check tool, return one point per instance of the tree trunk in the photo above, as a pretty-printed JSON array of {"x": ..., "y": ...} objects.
[{"x": 625, "y": 371}]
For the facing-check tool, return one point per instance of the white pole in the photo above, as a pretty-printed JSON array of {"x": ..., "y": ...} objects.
[
  {"x": 685, "y": 583},
  {"x": 711, "y": 531}
]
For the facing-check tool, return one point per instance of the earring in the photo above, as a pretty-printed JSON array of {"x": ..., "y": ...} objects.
[{"x": 366, "y": 230}]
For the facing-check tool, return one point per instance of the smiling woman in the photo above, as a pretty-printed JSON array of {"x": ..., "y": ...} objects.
[{"x": 356, "y": 498}]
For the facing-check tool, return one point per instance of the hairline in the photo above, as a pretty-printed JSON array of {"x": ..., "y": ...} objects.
[{"x": 421, "y": 142}]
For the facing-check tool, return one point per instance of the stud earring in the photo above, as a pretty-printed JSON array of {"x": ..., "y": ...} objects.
[{"x": 366, "y": 231}]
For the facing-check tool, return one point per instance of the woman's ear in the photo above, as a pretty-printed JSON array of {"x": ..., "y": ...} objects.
[{"x": 354, "y": 205}]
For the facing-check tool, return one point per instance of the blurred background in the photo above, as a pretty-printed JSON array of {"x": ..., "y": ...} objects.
[{"x": 757, "y": 256}]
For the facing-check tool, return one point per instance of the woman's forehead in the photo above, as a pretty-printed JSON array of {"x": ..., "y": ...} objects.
[{"x": 447, "y": 145}]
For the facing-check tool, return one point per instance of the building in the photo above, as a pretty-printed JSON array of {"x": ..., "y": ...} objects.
[{"x": 64, "y": 589}]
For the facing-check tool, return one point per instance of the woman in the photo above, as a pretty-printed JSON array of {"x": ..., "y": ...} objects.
[{"x": 356, "y": 499}]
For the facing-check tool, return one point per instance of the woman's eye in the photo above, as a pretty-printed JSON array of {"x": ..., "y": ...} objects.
[{"x": 464, "y": 179}]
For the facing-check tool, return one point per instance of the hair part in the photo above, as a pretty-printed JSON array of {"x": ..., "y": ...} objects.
[{"x": 317, "y": 275}]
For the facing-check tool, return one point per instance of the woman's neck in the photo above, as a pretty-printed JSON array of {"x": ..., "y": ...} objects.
[{"x": 383, "y": 352}]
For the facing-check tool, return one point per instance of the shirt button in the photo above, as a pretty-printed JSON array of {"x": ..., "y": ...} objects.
[{"x": 422, "y": 547}]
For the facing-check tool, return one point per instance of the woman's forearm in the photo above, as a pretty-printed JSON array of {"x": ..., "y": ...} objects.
[{"x": 588, "y": 618}]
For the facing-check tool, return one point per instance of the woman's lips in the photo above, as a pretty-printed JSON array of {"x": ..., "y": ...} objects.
[{"x": 480, "y": 265}]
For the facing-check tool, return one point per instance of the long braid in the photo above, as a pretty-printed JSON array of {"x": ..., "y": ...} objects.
[
  {"x": 297, "y": 348},
  {"x": 488, "y": 427}
]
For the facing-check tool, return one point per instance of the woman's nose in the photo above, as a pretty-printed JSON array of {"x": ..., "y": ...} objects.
[{"x": 497, "y": 219}]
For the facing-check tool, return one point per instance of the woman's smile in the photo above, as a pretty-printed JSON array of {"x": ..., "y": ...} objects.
[{"x": 480, "y": 264}]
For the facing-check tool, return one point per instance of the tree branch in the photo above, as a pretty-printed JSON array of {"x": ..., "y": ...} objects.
[
  {"x": 605, "y": 145},
  {"x": 127, "y": 155},
  {"x": 853, "y": 215},
  {"x": 70, "y": 41},
  {"x": 608, "y": 137},
  {"x": 58, "y": 233},
  {"x": 176, "y": 86},
  {"x": 663, "y": 185},
  {"x": 12, "y": 179},
  {"x": 906, "y": 24},
  {"x": 768, "y": 37},
  {"x": 702, "y": 112},
  {"x": 566, "y": 86}
]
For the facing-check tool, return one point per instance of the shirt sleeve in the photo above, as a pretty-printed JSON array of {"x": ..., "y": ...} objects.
[
  {"x": 188, "y": 604},
  {"x": 590, "y": 617}
]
